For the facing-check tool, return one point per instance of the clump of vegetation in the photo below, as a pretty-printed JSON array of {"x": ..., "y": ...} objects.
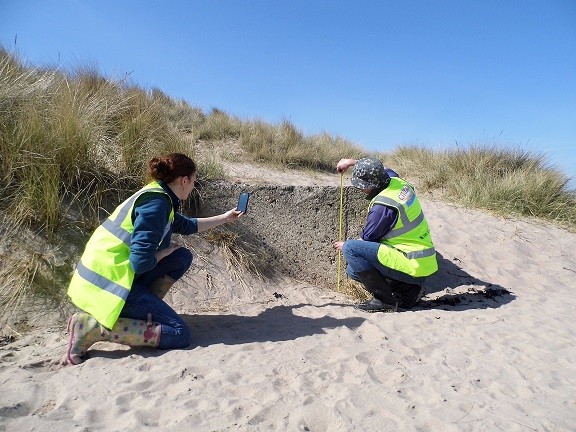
[
  {"x": 354, "y": 289},
  {"x": 504, "y": 181},
  {"x": 283, "y": 145},
  {"x": 241, "y": 257},
  {"x": 69, "y": 142}
]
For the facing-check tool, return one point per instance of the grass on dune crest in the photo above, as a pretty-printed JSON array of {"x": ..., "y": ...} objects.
[
  {"x": 74, "y": 144},
  {"x": 505, "y": 181}
]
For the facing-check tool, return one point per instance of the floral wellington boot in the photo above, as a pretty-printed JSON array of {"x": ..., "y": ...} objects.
[{"x": 84, "y": 331}]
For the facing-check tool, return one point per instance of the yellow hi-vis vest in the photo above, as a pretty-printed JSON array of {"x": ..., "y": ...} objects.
[
  {"x": 408, "y": 246},
  {"x": 103, "y": 277}
]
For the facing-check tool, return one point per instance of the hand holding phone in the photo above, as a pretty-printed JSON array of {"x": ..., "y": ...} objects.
[{"x": 243, "y": 202}]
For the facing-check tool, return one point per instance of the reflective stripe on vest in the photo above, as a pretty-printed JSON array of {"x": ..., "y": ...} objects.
[
  {"x": 115, "y": 228},
  {"x": 421, "y": 254},
  {"x": 103, "y": 278},
  {"x": 407, "y": 225},
  {"x": 100, "y": 281}
]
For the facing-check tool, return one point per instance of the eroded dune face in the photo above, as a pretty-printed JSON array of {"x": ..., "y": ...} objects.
[{"x": 292, "y": 228}]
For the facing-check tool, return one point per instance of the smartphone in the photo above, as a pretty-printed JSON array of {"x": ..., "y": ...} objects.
[{"x": 243, "y": 202}]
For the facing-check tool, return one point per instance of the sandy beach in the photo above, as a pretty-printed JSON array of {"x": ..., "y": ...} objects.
[{"x": 492, "y": 347}]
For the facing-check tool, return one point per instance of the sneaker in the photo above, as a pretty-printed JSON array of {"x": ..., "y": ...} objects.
[{"x": 375, "y": 305}]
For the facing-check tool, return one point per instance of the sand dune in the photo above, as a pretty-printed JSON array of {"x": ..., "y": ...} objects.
[{"x": 490, "y": 348}]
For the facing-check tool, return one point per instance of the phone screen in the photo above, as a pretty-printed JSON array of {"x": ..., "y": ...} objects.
[{"x": 243, "y": 202}]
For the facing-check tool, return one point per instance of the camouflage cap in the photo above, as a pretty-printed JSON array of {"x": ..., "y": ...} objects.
[{"x": 369, "y": 173}]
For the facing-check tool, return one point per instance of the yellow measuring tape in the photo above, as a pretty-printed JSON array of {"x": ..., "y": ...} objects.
[{"x": 340, "y": 227}]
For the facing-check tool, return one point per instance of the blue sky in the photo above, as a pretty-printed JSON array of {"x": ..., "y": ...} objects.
[{"x": 436, "y": 73}]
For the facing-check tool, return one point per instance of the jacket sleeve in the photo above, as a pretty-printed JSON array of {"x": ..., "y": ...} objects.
[
  {"x": 391, "y": 172},
  {"x": 379, "y": 221},
  {"x": 150, "y": 216},
  {"x": 184, "y": 225}
]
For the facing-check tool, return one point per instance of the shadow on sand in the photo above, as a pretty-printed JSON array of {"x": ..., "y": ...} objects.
[
  {"x": 450, "y": 276},
  {"x": 277, "y": 323},
  {"x": 280, "y": 323}
]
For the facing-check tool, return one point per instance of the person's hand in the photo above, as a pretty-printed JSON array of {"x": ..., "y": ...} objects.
[
  {"x": 344, "y": 164},
  {"x": 207, "y": 223},
  {"x": 338, "y": 245},
  {"x": 163, "y": 253},
  {"x": 232, "y": 215}
]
